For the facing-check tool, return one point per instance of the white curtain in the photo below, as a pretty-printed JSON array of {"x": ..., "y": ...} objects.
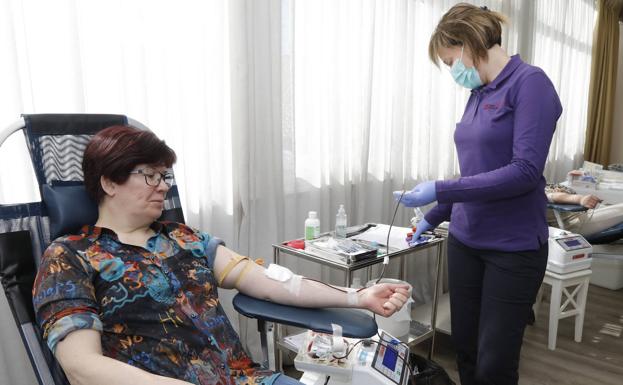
[
  {"x": 164, "y": 63},
  {"x": 562, "y": 46},
  {"x": 276, "y": 107},
  {"x": 365, "y": 112},
  {"x": 186, "y": 69}
]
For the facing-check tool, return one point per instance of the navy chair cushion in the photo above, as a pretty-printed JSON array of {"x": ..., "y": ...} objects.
[
  {"x": 355, "y": 324},
  {"x": 569, "y": 208},
  {"x": 609, "y": 235},
  {"x": 69, "y": 208}
]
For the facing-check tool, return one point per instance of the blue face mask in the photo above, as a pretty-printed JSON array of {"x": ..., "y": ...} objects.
[{"x": 466, "y": 77}]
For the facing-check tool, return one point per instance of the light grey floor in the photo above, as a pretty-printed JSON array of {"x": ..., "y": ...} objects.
[{"x": 597, "y": 360}]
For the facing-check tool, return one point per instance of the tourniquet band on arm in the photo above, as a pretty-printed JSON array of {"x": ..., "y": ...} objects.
[{"x": 232, "y": 263}]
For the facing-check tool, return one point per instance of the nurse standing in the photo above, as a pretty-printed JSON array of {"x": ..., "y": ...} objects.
[{"x": 497, "y": 246}]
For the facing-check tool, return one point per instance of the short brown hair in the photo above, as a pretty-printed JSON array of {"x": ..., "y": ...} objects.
[
  {"x": 476, "y": 28},
  {"x": 116, "y": 150}
]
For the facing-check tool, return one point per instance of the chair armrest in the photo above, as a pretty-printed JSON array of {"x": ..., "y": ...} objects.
[
  {"x": 606, "y": 236},
  {"x": 355, "y": 323},
  {"x": 566, "y": 207}
]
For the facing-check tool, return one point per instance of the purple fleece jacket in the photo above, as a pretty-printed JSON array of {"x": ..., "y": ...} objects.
[{"x": 502, "y": 142}]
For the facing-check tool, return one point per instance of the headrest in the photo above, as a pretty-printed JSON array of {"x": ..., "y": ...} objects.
[
  {"x": 69, "y": 208},
  {"x": 71, "y": 124}
]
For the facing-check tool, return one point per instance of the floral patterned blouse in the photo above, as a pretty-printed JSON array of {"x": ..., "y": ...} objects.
[{"x": 157, "y": 307}]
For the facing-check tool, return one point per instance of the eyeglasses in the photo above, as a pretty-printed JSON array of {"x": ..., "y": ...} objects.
[{"x": 153, "y": 178}]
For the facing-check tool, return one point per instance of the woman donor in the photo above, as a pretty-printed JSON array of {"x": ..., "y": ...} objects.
[
  {"x": 132, "y": 300},
  {"x": 497, "y": 245}
]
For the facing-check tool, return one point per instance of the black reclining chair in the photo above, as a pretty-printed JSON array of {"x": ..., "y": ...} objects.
[{"x": 56, "y": 143}]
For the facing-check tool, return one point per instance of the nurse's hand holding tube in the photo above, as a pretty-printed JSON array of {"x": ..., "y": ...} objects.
[{"x": 421, "y": 195}]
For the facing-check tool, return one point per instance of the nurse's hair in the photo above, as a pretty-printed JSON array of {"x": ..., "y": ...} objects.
[{"x": 475, "y": 28}]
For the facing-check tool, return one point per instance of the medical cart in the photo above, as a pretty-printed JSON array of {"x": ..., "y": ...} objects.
[{"x": 419, "y": 331}]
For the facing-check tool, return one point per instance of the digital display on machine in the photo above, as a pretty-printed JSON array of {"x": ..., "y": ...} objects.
[
  {"x": 390, "y": 358},
  {"x": 572, "y": 242}
]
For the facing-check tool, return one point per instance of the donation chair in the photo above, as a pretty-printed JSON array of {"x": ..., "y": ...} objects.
[
  {"x": 55, "y": 143},
  {"x": 605, "y": 236}
]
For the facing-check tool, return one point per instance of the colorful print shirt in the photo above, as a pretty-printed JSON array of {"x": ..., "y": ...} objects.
[{"x": 157, "y": 308}]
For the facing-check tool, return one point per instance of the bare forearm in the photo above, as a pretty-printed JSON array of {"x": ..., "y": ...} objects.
[
  {"x": 280, "y": 285},
  {"x": 80, "y": 355},
  {"x": 95, "y": 370},
  {"x": 251, "y": 279},
  {"x": 559, "y": 197},
  {"x": 308, "y": 294},
  {"x": 98, "y": 369}
]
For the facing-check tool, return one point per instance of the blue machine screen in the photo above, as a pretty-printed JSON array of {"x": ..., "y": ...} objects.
[
  {"x": 389, "y": 359},
  {"x": 572, "y": 242}
]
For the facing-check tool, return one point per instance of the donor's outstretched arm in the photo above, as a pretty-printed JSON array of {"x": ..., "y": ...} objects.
[{"x": 280, "y": 285}]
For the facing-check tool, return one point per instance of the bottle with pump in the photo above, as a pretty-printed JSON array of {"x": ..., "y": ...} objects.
[
  {"x": 419, "y": 215},
  {"x": 340, "y": 223},
  {"x": 312, "y": 226}
]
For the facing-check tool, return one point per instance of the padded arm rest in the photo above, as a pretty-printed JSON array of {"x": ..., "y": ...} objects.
[
  {"x": 606, "y": 236},
  {"x": 355, "y": 324},
  {"x": 566, "y": 207}
]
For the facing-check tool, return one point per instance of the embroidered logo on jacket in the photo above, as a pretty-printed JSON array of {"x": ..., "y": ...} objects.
[{"x": 492, "y": 106}]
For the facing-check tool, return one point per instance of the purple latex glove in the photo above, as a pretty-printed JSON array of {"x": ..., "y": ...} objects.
[
  {"x": 421, "y": 227},
  {"x": 421, "y": 195}
]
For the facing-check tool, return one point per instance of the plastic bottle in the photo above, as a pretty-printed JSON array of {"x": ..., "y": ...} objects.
[
  {"x": 419, "y": 215},
  {"x": 340, "y": 223},
  {"x": 312, "y": 226}
]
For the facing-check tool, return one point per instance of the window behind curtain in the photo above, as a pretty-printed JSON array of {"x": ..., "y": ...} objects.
[{"x": 362, "y": 102}]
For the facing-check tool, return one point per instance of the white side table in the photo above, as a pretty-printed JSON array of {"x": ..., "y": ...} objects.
[{"x": 565, "y": 303}]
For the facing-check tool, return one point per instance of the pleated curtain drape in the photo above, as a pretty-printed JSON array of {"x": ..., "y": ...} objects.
[{"x": 603, "y": 82}]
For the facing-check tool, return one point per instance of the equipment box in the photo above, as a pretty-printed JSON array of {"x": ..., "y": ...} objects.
[{"x": 608, "y": 266}]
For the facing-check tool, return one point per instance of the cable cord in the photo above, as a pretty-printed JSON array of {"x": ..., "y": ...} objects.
[
  {"x": 384, "y": 264},
  {"x": 404, "y": 359},
  {"x": 384, "y": 343},
  {"x": 391, "y": 224},
  {"x": 333, "y": 287},
  {"x": 586, "y": 218}
]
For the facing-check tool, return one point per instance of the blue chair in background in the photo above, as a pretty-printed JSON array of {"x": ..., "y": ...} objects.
[
  {"x": 56, "y": 143},
  {"x": 605, "y": 236}
]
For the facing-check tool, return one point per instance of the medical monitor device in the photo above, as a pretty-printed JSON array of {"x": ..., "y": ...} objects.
[
  {"x": 567, "y": 252},
  {"x": 389, "y": 358}
]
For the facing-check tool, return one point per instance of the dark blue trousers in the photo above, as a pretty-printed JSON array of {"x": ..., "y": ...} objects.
[{"x": 491, "y": 295}]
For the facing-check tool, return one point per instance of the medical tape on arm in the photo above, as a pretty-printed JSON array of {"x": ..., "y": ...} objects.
[
  {"x": 351, "y": 296},
  {"x": 338, "y": 346},
  {"x": 289, "y": 280},
  {"x": 228, "y": 268}
]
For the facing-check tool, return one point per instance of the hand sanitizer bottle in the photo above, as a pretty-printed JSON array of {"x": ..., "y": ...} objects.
[
  {"x": 340, "y": 223},
  {"x": 419, "y": 215},
  {"x": 312, "y": 226}
]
